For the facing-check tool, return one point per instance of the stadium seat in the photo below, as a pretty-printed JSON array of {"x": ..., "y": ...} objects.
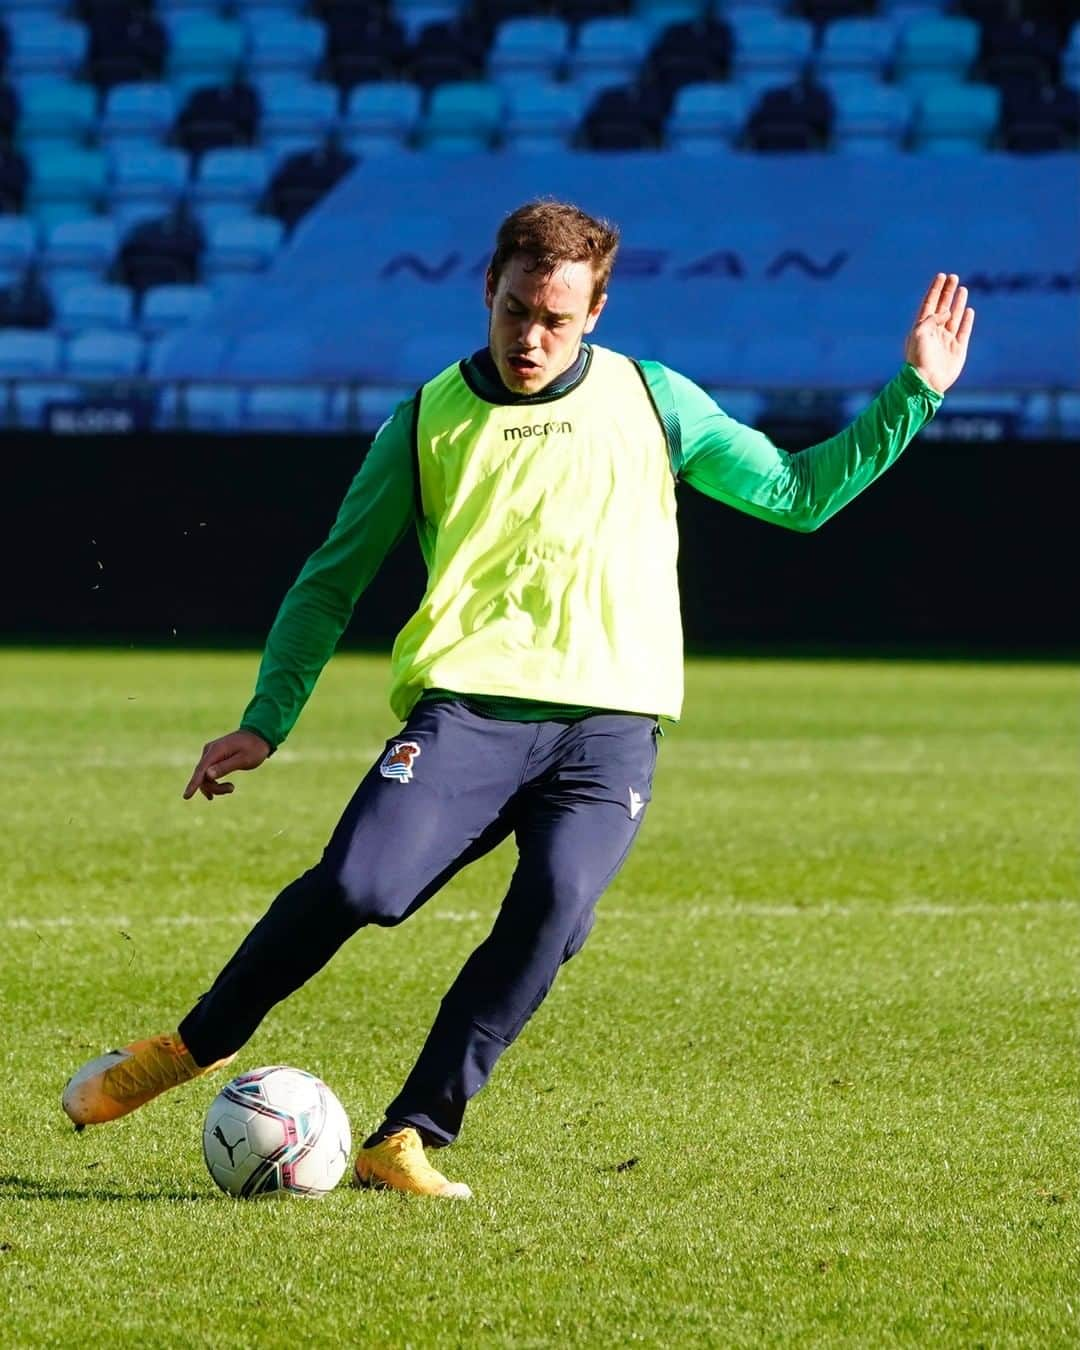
[
  {"x": 79, "y": 252},
  {"x": 380, "y": 117},
  {"x": 245, "y": 244},
  {"x": 621, "y": 119},
  {"x": 27, "y": 353},
  {"x": 304, "y": 179},
  {"x": 286, "y": 408},
  {"x": 1037, "y": 120},
  {"x": 936, "y": 50},
  {"x": 285, "y": 44},
  {"x": 18, "y": 245},
  {"x": 161, "y": 252},
  {"x": 217, "y": 117},
  {"x": 608, "y": 52},
  {"x": 689, "y": 53},
  {"x": 296, "y": 115},
  {"x": 57, "y": 110},
  {"x": 165, "y": 309},
  {"x": 96, "y": 305},
  {"x": 229, "y": 183},
  {"x": 1020, "y": 52},
  {"x": 446, "y": 52},
  {"x": 204, "y": 50},
  {"x": 1070, "y": 60},
  {"x": 656, "y": 16},
  {"x": 528, "y": 49},
  {"x": 770, "y": 49},
  {"x": 956, "y": 118},
  {"x": 870, "y": 118},
  {"x": 137, "y": 114},
  {"x": 14, "y": 177},
  {"x": 206, "y": 407},
  {"x": 126, "y": 46},
  {"x": 99, "y": 354},
  {"x": 43, "y": 44},
  {"x": 461, "y": 117},
  {"x": 414, "y": 15},
  {"x": 146, "y": 180},
  {"x": 363, "y": 45},
  {"x": 792, "y": 118},
  {"x": 706, "y": 118},
  {"x": 862, "y": 46},
  {"x": 541, "y": 117},
  {"x": 9, "y": 111},
  {"x": 65, "y": 182}
]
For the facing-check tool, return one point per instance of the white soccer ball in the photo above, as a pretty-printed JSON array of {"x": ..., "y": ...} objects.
[{"x": 276, "y": 1131}]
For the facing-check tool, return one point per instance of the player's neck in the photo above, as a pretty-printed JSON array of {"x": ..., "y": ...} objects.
[{"x": 483, "y": 375}]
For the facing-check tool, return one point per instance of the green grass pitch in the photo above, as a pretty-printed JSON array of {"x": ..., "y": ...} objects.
[{"x": 813, "y": 1081}]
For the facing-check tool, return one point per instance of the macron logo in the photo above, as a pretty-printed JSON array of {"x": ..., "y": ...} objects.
[
  {"x": 535, "y": 429},
  {"x": 636, "y": 803}
]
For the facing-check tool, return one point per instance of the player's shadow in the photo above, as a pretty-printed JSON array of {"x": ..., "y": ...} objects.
[{"x": 29, "y": 1188}]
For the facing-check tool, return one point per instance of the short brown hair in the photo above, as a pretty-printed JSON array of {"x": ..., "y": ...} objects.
[{"x": 551, "y": 232}]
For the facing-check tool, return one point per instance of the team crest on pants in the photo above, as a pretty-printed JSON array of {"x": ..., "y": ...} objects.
[{"x": 398, "y": 761}]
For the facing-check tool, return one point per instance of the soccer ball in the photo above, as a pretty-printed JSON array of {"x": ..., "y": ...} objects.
[{"x": 276, "y": 1131}]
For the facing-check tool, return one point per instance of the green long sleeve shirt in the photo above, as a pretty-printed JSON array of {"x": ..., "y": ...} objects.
[{"x": 712, "y": 452}]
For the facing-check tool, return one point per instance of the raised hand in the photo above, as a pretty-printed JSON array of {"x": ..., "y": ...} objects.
[
  {"x": 938, "y": 342},
  {"x": 238, "y": 750}
]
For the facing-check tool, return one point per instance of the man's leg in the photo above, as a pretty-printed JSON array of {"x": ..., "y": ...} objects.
[
  {"x": 434, "y": 800},
  {"x": 575, "y": 822}
]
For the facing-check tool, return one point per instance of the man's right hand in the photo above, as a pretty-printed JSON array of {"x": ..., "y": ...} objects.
[{"x": 238, "y": 750}]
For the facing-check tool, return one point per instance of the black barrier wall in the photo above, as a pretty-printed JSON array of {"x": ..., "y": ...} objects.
[{"x": 196, "y": 538}]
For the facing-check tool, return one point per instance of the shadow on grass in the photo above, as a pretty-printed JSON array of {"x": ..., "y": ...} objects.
[{"x": 28, "y": 1188}]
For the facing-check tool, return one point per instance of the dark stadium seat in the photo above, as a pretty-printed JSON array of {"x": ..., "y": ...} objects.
[
  {"x": 9, "y": 111},
  {"x": 795, "y": 117},
  {"x": 161, "y": 252},
  {"x": 363, "y": 45},
  {"x": 127, "y": 45},
  {"x": 622, "y": 119},
  {"x": 217, "y": 116},
  {"x": 26, "y": 304},
  {"x": 1020, "y": 51},
  {"x": 1039, "y": 120},
  {"x": 689, "y": 53},
  {"x": 303, "y": 179},
  {"x": 446, "y": 52}
]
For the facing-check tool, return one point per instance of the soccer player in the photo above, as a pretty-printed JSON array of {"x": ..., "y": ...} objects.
[{"x": 540, "y": 477}]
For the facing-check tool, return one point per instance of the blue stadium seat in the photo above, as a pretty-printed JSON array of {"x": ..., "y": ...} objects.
[
  {"x": 380, "y": 117},
  {"x": 79, "y": 252},
  {"x": 936, "y": 50},
  {"x": 206, "y": 50},
  {"x": 24, "y": 352},
  {"x": 858, "y": 45},
  {"x": 284, "y": 43},
  {"x": 66, "y": 183},
  {"x": 165, "y": 309},
  {"x": 956, "y": 118},
  {"x": 707, "y": 117},
  {"x": 770, "y": 49},
  {"x": 657, "y": 15},
  {"x": 1070, "y": 61},
  {"x": 296, "y": 115},
  {"x": 101, "y": 354},
  {"x": 286, "y": 408},
  {"x": 146, "y": 180},
  {"x": 138, "y": 114},
  {"x": 541, "y": 117},
  {"x": 870, "y": 118},
  {"x": 608, "y": 52},
  {"x": 528, "y": 49},
  {"x": 229, "y": 183},
  {"x": 57, "y": 110},
  {"x": 245, "y": 244},
  {"x": 96, "y": 305},
  {"x": 204, "y": 407},
  {"x": 18, "y": 245},
  {"x": 415, "y": 15},
  {"x": 43, "y": 44},
  {"x": 463, "y": 116}
]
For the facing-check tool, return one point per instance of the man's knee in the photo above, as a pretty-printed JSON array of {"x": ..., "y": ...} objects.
[{"x": 368, "y": 898}]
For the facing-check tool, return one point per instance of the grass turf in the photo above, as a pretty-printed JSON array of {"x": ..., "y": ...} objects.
[{"x": 813, "y": 1080}]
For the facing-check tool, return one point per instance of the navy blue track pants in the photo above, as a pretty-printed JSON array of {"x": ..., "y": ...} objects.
[{"x": 447, "y": 789}]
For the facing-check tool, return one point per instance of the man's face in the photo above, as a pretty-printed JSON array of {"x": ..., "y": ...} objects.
[{"x": 538, "y": 320}]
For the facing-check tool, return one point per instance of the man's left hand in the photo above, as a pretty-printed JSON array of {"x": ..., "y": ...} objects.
[{"x": 937, "y": 344}]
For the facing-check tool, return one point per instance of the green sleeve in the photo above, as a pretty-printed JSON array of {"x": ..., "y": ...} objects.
[
  {"x": 377, "y": 510},
  {"x": 740, "y": 466}
]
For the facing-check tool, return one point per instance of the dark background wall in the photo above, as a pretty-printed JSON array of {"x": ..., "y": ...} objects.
[{"x": 196, "y": 538}]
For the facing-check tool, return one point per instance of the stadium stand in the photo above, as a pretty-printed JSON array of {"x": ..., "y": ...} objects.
[{"x": 167, "y": 151}]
